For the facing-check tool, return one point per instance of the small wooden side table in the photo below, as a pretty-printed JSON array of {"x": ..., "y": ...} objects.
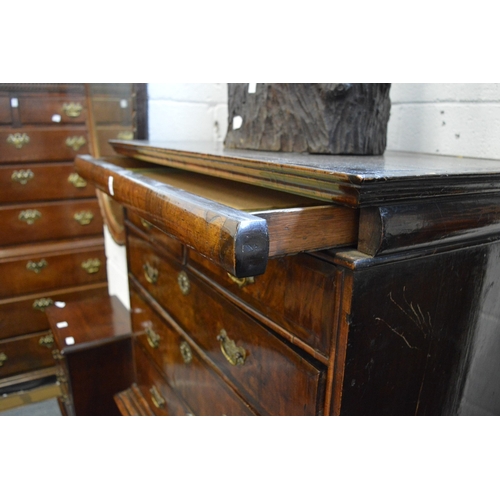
[{"x": 93, "y": 353}]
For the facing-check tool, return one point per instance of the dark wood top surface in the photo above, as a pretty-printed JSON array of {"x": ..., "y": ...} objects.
[
  {"x": 352, "y": 180},
  {"x": 90, "y": 322}
]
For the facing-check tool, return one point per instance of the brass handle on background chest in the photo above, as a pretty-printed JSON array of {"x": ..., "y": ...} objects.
[
  {"x": 56, "y": 354},
  {"x": 241, "y": 282},
  {"x": 91, "y": 266},
  {"x": 184, "y": 283},
  {"x": 156, "y": 397},
  {"x": 75, "y": 143},
  {"x": 3, "y": 358},
  {"x": 125, "y": 135},
  {"x": 83, "y": 218},
  {"x": 42, "y": 304},
  {"x": 36, "y": 267},
  {"x": 72, "y": 109},
  {"x": 29, "y": 216},
  {"x": 18, "y": 140},
  {"x": 77, "y": 181},
  {"x": 234, "y": 354},
  {"x": 153, "y": 338},
  {"x": 146, "y": 224},
  {"x": 47, "y": 341},
  {"x": 186, "y": 352},
  {"x": 150, "y": 273},
  {"x": 22, "y": 176}
]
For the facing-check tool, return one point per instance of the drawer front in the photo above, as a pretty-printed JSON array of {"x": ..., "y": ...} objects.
[
  {"x": 107, "y": 133},
  {"x": 153, "y": 234},
  {"x": 203, "y": 390},
  {"x": 296, "y": 292},
  {"x": 28, "y": 144},
  {"x": 26, "y": 314},
  {"x": 50, "y": 221},
  {"x": 42, "y": 183},
  {"x": 273, "y": 378},
  {"x": 44, "y": 272},
  {"x": 160, "y": 397},
  {"x": 110, "y": 111},
  {"x": 25, "y": 354},
  {"x": 52, "y": 110},
  {"x": 5, "y": 113}
]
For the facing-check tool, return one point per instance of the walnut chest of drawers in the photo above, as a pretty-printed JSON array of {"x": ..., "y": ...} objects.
[{"x": 290, "y": 284}]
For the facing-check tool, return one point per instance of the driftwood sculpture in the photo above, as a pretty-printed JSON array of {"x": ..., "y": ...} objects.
[{"x": 332, "y": 118}]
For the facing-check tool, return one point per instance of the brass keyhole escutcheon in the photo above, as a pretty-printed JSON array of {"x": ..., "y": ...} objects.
[
  {"x": 184, "y": 283},
  {"x": 186, "y": 352},
  {"x": 234, "y": 354}
]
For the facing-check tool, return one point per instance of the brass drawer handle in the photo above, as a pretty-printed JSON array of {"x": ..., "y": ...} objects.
[
  {"x": 18, "y": 140},
  {"x": 3, "y": 358},
  {"x": 83, "y": 218},
  {"x": 186, "y": 352},
  {"x": 125, "y": 135},
  {"x": 36, "y": 267},
  {"x": 29, "y": 216},
  {"x": 184, "y": 283},
  {"x": 47, "y": 341},
  {"x": 241, "y": 282},
  {"x": 151, "y": 273},
  {"x": 61, "y": 379},
  {"x": 22, "y": 176},
  {"x": 158, "y": 401},
  {"x": 153, "y": 338},
  {"x": 146, "y": 224},
  {"x": 56, "y": 354},
  {"x": 42, "y": 304},
  {"x": 91, "y": 266},
  {"x": 72, "y": 109},
  {"x": 234, "y": 354},
  {"x": 77, "y": 181},
  {"x": 76, "y": 142}
]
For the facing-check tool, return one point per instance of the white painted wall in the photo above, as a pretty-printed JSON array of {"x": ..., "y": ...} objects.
[{"x": 440, "y": 118}]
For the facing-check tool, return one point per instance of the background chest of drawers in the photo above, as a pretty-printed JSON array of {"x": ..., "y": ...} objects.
[
  {"x": 51, "y": 228},
  {"x": 248, "y": 301}
]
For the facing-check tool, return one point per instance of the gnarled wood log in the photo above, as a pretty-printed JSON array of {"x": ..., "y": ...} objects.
[{"x": 332, "y": 118}]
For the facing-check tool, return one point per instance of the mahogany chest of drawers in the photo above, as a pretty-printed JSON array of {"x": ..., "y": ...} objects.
[
  {"x": 51, "y": 228},
  {"x": 286, "y": 284}
]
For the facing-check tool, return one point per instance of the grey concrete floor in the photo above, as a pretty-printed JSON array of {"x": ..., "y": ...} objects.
[{"x": 47, "y": 408}]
